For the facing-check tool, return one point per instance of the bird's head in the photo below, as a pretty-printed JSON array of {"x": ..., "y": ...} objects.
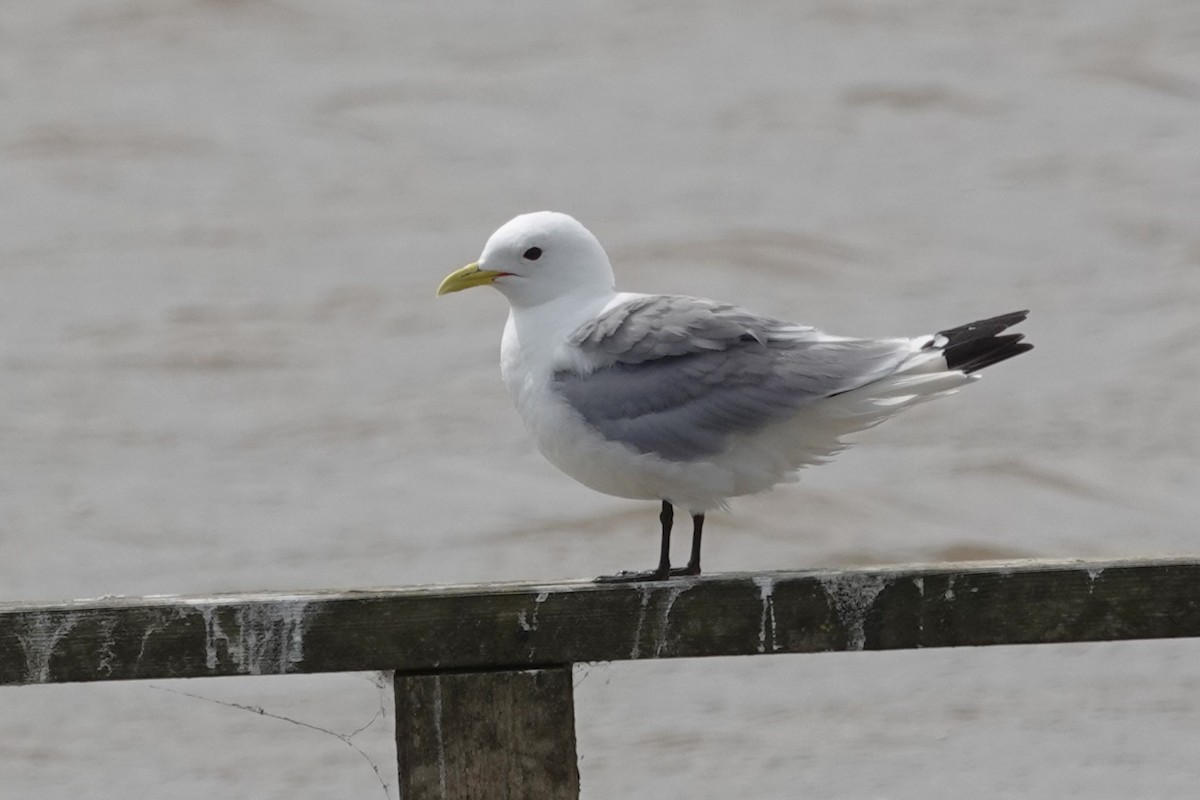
[{"x": 536, "y": 258}]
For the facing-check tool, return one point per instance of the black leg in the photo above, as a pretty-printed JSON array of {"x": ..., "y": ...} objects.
[
  {"x": 667, "y": 518},
  {"x": 663, "y": 571},
  {"x": 693, "y": 566}
]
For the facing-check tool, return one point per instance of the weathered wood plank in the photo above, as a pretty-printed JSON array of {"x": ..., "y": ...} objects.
[
  {"x": 487, "y": 735},
  {"x": 516, "y": 626}
]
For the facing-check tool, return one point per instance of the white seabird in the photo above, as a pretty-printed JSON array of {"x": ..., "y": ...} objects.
[{"x": 685, "y": 400}]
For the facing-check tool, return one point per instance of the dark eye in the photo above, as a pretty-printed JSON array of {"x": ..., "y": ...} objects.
[{"x": 532, "y": 254}]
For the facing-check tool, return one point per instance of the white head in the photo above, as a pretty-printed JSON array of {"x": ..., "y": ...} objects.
[{"x": 535, "y": 258}]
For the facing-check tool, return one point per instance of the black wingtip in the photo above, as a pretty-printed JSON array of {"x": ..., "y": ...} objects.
[{"x": 976, "y": 345}]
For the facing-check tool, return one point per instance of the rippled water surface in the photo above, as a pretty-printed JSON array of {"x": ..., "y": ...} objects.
[{"x": 222, "y": 366}]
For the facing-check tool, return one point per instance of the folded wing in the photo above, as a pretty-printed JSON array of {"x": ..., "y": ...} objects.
[{"x": 676, "y": 376}]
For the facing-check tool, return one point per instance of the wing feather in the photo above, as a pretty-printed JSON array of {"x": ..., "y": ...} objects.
[{"x": 676, "y": 376}]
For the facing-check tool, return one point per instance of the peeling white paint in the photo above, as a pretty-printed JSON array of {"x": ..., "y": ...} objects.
[
  {"x": 172, "y": 614},
  {"x": 146, "y": 634},
  {"x": 40, "y": 635},
  {"x": 105, "y": 655},
  {"x": 537, "y": 606},
  {"x": 766, "y": 593},
  {"x": 646, "y": 592},
  {"x": 852, "y": 596},
  {"x": 437, "y": 728},
  {"x": 1094, "y": 574},
  {"x": 919, "y": 582},
  {"x": 949, "y": 593},
  {"x": 269, "y": 637},
  {"x": 212, "y": 630},
  {"x": 529, "y": 622},
  {"x": 670, "y": 593},
  {"x": 677, "y": 588}
]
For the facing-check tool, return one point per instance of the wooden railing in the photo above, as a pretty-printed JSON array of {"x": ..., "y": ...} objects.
[{"x": 484, "y": 700}]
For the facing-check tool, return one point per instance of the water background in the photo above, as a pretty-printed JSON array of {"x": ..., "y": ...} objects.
[{"x": 222, "y": 366}]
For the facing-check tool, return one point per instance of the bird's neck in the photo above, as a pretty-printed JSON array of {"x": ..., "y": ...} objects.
[{"x": 539, "y": 333}]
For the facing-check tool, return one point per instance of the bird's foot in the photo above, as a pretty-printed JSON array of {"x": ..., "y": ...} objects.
[{"x": 626, "y": 576}]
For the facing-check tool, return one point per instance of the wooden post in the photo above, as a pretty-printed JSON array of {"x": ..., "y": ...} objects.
[{"x": 493, "y": 735}]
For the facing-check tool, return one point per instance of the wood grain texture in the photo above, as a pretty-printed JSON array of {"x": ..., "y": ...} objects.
[
  {"x": 487, "y": 735},
  {"x": 521, "y": 626}
]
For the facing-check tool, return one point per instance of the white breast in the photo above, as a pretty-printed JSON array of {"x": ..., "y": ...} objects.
[{"x": 529, "y": 357}]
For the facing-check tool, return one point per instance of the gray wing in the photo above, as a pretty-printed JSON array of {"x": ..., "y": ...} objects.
[{"x": 679, "y": 375}]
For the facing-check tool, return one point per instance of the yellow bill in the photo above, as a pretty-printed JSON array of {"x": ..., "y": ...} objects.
[{"x": 467, "y": 277}]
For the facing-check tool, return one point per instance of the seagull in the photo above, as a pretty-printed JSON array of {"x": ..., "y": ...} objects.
[{"x": 688, "y": 401}]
